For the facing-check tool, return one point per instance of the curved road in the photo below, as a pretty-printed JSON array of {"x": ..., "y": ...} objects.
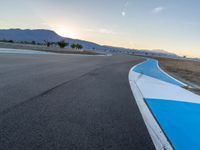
[{"x": 66, "y": 102}]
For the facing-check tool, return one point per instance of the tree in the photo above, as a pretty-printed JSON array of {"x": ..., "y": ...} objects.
[
  {"x": 25, "y": 42},
  {"x": 62, "y": 44},
  {"x": 48, "y": 44},
  {"x": 78, "y": 46},
  {"x": 73, "y": 46},
  {"x": 33, "y": 42},
  {"x": 11, "y": 41}
]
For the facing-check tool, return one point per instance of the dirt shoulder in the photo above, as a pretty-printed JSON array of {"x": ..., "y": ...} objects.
[
  {"x": 187, "y": 71},
  {"x": 45, "y": 48}
]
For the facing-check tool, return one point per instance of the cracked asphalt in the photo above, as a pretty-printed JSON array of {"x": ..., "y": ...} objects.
[{"x": 66, "y": 102}]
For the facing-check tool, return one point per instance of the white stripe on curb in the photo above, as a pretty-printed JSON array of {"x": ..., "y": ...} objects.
[
  {"x": 170, "y": 112},
  {"x": 159, "y": 139},
  {"x": 171, "y": 76}
]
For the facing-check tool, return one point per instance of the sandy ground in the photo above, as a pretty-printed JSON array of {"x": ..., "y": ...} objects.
[
  {"x": 45, "y": 48},
  {"x": 185, "y": 70}
]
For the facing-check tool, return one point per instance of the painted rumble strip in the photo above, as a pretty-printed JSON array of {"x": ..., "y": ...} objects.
[
  {"x": 151, "y": 68},
  {"x": 171, "y": 113}
]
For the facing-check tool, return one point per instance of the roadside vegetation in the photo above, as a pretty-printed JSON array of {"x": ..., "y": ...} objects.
[
  {"x": 76, "y": 46},
  {"x": 61, "y": 44},
  {"x": 7, "y": 41}
]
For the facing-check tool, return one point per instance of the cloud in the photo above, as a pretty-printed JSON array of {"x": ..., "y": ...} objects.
[
  {"x": 158, "y": 9},
  {"x": 126, "y": 4},
  {"x": 123, "y": 13},
  {"x": 101, "y": 31},
  {"x": 105, "y": 31},
  {"x": 193, "y": 23}
]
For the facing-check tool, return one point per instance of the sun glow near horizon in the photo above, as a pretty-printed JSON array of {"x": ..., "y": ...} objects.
[{"x": 66, "y": 32}]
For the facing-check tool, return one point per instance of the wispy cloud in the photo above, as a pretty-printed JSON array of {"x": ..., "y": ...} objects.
[
  {"x": 158, "y": 9},
  {"x": 101, "y": 31},
  {"x": 106, "y": 31},
  {"x": 192, "y": 23},
  {"x": 126, "y": 4},
  {"x": 123, "y": 12}
]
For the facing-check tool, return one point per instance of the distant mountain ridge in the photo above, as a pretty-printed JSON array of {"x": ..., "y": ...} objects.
[
  {"x": 159, "y": 51},
  {"x": 38, "y": 35},
  {"x": 42, "y": 35}
]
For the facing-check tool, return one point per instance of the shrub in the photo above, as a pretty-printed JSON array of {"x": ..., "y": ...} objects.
[
  {"x": 10, "y": 41},
  {"x": 62, "y": 44},
  {"x": 48, "y": 44},
  {"x": 76, "y": 46},
  {"x": 73, "y": 46},
  {"x": 33, "y": 42}
]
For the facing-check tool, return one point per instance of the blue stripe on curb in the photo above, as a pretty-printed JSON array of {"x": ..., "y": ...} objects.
[
  {"x": 179, "y": 120},
  {"x": 151, "y": 69}
]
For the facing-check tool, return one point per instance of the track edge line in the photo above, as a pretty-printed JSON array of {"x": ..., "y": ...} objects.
[{"x": 158, "y": 137}]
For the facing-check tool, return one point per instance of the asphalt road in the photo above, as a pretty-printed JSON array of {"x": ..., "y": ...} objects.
[{"x": 63, "y": 102}]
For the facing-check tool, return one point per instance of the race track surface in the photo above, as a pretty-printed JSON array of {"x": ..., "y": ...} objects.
[{"x": 66, "y": 102}]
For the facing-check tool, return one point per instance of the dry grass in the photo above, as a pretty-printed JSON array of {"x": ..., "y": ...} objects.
[{"x": 186, "y": 70}]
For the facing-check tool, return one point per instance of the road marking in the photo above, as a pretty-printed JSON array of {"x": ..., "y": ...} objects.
[
  {"x": 150, "y": 68},
  {"x": 166, "y": 107},
  {"x": 158, "y": 137}
]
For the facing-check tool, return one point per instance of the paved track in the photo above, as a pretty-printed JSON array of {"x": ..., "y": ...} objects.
[{"x": 60, "y": 102}]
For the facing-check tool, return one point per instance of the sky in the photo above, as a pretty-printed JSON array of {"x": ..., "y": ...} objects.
[{"x": 172, "y": 25}]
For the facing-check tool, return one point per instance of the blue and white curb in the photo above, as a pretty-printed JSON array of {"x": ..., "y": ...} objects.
[{"x": 170, "y": 112}]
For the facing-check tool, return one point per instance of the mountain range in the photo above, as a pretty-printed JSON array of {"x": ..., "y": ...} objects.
[{"x": 41, "y": 36}]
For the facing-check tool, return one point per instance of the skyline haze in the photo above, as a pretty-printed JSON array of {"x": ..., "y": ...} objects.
[{"x": 140, "y": 24}]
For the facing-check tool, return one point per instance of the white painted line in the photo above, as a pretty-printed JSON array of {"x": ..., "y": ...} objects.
[
  {"x": 153, "y": 87},
  {"x": 158, "y": 137},
  {"x": 157, "y": 89},
  {"x": 171, "y": 76}
]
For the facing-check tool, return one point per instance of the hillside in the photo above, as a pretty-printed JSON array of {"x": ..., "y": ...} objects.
[{"x": 41, "y": 35}]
